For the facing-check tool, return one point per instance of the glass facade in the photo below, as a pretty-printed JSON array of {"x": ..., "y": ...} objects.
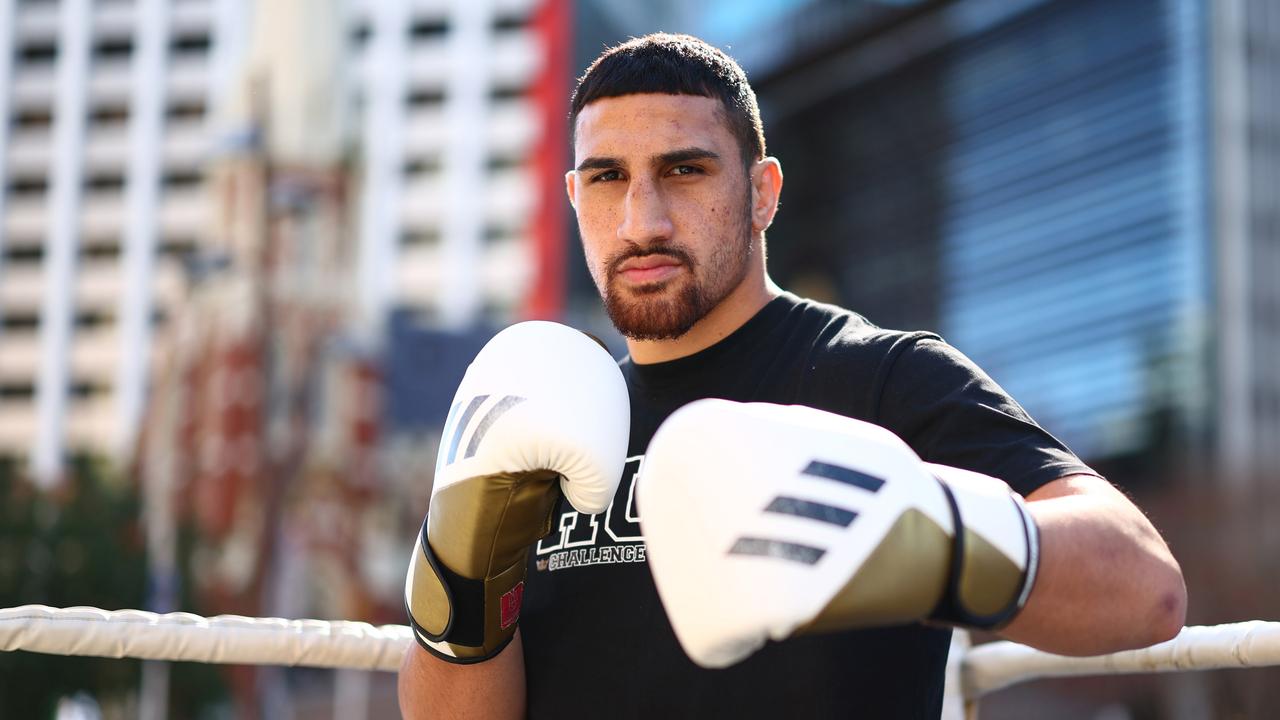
[
  {"x": 1073, "y": 234},
  {"x": 1033, "y": 185}
]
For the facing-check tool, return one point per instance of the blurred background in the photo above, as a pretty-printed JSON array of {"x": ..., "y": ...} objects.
[{"x": 248, "y": 247}]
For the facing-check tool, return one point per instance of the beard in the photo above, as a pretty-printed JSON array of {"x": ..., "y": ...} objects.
[
  {"x": 666, "y": 310},
  {"x": 657, "y": 311}
]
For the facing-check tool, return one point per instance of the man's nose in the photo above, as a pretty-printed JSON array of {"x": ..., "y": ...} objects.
[{"x": 645, "y": 215}]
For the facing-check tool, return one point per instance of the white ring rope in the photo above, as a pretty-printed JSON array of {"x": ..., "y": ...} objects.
[
  {"x": 222, "y": 639},
  {"x": 356, "y": 645},
  {"x": 989, "y": 667}
]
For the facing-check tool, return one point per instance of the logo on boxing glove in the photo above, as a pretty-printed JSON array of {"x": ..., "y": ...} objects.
[{"x": 511, "y": 601}]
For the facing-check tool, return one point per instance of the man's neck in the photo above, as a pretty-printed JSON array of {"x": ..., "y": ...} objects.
[{"x": 731, "y": 313}]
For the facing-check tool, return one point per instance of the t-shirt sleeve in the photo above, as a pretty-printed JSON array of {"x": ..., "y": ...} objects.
[{"x": 952, "y": 413}]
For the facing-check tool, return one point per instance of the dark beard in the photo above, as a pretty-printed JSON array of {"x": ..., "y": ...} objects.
[
  {"x": 645, "y": 313},
  {"x": 648, "y": 316}
]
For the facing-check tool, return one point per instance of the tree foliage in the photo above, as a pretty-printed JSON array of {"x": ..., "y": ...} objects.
[{"x": 77, "y": 545}]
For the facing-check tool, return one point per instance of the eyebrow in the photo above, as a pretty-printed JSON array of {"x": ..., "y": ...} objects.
[
  {"x": 666, "y": 158},
  {"x": 599, "y": 163},
  {"x": 685, "y": 155}
]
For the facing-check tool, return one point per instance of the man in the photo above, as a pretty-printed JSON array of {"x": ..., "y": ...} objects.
[{"x": 673, "y": 193}]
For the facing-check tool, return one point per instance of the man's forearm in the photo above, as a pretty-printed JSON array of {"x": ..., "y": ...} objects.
[
  {"x": 432, "y": 689},
  {"x": 1107, "y": 581}
]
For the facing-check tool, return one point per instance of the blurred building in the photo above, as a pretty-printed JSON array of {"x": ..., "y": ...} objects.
[
  {"x": 1031, "y": 179},
  {"x": 1246, "y": 148},
  {"x": 69, "y": 211},
  {"x": 107, "y": 216}
]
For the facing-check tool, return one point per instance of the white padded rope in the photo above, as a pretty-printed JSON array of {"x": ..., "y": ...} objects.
[
  {"x": 222, "y": 639},
  {"x": 354, "y": 645},
  {"x": 989, "y": 667}
]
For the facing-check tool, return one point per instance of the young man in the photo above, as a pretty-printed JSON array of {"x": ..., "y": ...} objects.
[{"x": 673, "y": 193}]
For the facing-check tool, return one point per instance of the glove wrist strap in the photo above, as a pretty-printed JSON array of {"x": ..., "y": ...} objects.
[
  {"x": 985, "y": 587},
  {"x": 481, "y": 615}
]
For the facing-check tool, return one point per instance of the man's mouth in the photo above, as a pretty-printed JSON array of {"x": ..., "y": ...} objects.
[{"x": 649, "y": 269}]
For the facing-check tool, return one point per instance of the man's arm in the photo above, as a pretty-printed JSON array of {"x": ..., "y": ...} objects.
[
  {"x": 1107, "y": 581},
  {"x": 491, "y": 690}
]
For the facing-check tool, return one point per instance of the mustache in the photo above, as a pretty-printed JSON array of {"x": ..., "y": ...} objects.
[{"x": 674, "y": 252}]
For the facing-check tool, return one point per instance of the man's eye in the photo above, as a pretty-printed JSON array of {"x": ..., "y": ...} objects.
[
  {"x": 606, "y": 176},
  {"x": 686, "y": 170}
]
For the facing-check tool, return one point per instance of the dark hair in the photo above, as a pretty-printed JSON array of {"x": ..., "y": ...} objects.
[{"x": 675, "y": 65}]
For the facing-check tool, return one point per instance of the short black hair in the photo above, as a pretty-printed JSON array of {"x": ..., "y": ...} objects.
[{"x": 675, "y": 65}]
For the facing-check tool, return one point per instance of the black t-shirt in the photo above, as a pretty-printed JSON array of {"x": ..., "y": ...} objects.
[{"x": 597, "y": 642}]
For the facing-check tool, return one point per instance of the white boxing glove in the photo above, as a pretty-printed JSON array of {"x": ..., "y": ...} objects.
[
  {"x": 763, "y": 521},
  {"x": 542, "y": 409}
]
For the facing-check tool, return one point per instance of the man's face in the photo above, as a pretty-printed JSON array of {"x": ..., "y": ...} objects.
[{"x": 664, "y": 209}]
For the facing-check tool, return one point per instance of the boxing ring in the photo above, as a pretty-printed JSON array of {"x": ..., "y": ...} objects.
[{"x": 973, "y": 673}]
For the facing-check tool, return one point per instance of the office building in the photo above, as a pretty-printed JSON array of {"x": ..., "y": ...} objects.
[{"x": 115, "y": 113}]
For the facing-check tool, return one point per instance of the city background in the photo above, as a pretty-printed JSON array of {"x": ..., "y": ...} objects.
[{"x": 247, "y": 249}]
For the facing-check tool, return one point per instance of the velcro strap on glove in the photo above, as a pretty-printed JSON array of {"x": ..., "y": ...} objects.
[
  {"x": 995, "y": 553},
  {"x": 463, "y": 604}
]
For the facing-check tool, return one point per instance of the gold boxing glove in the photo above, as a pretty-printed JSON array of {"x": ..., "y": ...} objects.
[{"x": 542, "y": 409}]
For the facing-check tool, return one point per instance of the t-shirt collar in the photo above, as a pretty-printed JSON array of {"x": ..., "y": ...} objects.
[{"x": 743, "y": 339}]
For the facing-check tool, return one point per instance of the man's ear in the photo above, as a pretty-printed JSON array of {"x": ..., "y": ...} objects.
[
  {"x": 571, "y": 187},
  {"x": 766, "y": 189}
]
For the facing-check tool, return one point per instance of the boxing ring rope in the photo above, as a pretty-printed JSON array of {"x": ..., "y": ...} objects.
[
  {"x": 990, "y": 667},
  {"x": 360, "y": 646},
  {"x": 187, "y": 637}
]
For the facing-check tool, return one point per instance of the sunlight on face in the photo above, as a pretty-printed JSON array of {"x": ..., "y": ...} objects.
[{"x": 664, "y": 209}]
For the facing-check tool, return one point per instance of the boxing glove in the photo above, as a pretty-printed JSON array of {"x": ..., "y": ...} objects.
[
  {"x": 763, "y": 521},
  {"x": 543, "y": 409}
]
